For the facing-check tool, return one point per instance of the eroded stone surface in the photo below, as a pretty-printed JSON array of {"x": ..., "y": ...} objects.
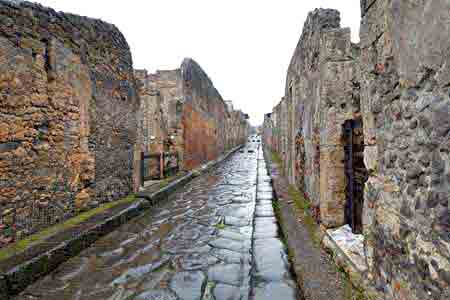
[
  {"x": 275, "y": 290},
  {"x": 157, "y": 295},
  {"x": 69, "y": 112},
  {"x": 178, "y": 248},
  {"x": 226, "y": 292},
  {"x": 188, "y": 285}
]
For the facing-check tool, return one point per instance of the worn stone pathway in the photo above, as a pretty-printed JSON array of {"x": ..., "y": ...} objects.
[{"x": 216, "y": 238}]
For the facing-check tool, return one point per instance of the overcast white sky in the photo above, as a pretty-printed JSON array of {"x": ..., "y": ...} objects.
[{"x": 245, "y": 46}]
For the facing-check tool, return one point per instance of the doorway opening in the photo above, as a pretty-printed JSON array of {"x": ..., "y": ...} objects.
[{"x": 356, "y": 173}]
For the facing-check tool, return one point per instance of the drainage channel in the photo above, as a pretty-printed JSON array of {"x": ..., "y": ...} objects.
[{"x": 271, "y": 277}]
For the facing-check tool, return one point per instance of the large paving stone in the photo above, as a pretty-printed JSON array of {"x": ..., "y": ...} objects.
[
  {"x": 270, "y": 259},
  {"x": 157, "y": 295},
  {"x": 233, "y": 245},
  {"x": 228, "y": 234},
  {"x": 188, "y": 285},
  {"x": 265, "y": 221},
  {"x": 226, "y": 292},
  {"x": 239, "y": 222},
  {"x": 138, "y": 272},
  {"x": 264, "y": 211},
  {"x": 229, "y": 274},
  {"x": 242, "y": 199},
  {"x": 265, "y": 189},
  {"x": 264, "y": 196},
  {"x": 264, "y": 178},
  {"x": 264, "y": 202},
  {"x": 265, "y": 234},
  {"x": 264, "y": 184},
  {"x": 275, "y": 291},
  {"x": 231, "y": 257},
  {"x": 237, "y": 211},
  {"x": 265, "y": 227},
  {"x": 197, "y": 261}
]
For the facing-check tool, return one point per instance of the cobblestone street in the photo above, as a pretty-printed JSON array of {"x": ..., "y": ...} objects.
[{"x": 216, "y": 238}]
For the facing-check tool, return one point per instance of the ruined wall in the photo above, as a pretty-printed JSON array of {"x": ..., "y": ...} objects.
[
  {"x": 406, "y": 108},
  {"x": 236, "y": 130},
  {"x": 320, "y": 96},
  {"x": 68, "y": 121},
  {"x": 392, "y": 93},
  {"x": 168, "y": 84},
  {"x": 153, "y": 120},
  {"x": 197, "y": 123},
  {"x": 204, "y": 116},
  {"x": 267, "y": 131}
]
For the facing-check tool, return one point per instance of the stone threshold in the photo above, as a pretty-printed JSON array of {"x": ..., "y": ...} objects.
[
  {"x": 310, "y": 246},
  {"x": 24, "y": 267}
]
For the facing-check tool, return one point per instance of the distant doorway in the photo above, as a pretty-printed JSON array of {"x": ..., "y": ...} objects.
[{"x": 355, "y": 173}]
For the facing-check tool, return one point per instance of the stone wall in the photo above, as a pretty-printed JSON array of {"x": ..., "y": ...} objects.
[
  {"x": 197, "y": 122},
  {"x": 153, "y": 120},
  {"x": 406, "y": 106},
  {"x": 391, "y": 92},
  {"x": 68, "y": 116},
  {"x": 320, "y": 96}
]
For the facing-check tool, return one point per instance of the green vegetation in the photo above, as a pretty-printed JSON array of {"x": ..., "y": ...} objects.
[
  {"x": 303, "y": 207},
  {"x": 221, "y": 225},
  {"x": 276, "y": 209},
  {"x": 350, "y": 293},
  {"x": 277, "y": 159},
  {"x": 21, "y": 245},
  {"x": 164, "y": 183},
  {"x": 40, "y": 136}
]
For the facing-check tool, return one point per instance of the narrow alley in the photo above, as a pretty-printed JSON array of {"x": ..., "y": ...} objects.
[
  {"x": 228, "y": 150},
  {"x": 216, "y": 238}
]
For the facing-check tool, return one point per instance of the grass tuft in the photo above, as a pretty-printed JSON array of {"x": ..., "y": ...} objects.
[{"x": 303, "y": 207}]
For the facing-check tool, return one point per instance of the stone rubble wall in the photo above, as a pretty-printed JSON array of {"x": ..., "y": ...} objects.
[
  {"x": 397, "y": 82},
  {"x": 320, "y": 96},
  {"x": 75, "y": 117},
  {"x": 195, "y": 120},
  {"x": 405, "y": 96},
  {"x": 200, "y": 125},
  {"x": 68, "y": 116},
  {"x": 153, "y": 120}
]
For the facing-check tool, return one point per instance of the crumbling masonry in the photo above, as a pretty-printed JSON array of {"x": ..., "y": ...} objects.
[
  {"x": 193, "y": 118},
  {"x": 364, "y": 131},
  {"x": 75, "y": 117}
]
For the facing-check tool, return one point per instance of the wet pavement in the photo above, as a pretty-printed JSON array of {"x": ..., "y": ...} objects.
[{"x": 216, "y": 238}]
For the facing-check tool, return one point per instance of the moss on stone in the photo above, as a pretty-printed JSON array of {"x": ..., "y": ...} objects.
[
  {"x": 276, "y": 158},
  {"x": 221, "y": 224},
  {"x": 40, "y": 236},
  {"x": 164, "y": 183},
  {"x": 303, "y": 207}
]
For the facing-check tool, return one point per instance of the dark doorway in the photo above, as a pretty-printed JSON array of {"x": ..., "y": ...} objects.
[{"x": 355, "y": 173}]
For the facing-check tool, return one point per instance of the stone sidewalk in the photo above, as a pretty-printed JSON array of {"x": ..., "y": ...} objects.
[{"x": 318, "y": 277}]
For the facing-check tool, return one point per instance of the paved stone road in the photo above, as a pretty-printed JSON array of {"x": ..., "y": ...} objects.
[{"x": 216, "y": 238}]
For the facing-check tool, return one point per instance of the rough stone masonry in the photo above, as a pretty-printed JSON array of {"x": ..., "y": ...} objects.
[
  {"x": 364, "y": 131},
  {"x": 190, "y": 116},
  {"x": 68, "y": 116},
  {"x": 75, "y": 117}
]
